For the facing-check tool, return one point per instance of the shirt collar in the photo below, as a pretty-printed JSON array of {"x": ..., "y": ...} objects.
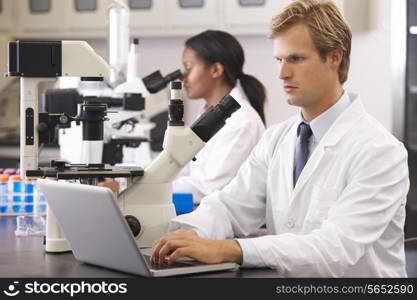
[{"x": 322, "y": 123}]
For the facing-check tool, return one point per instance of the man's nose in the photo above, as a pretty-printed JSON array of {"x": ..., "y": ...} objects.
[{"x": 284, "y": 70}]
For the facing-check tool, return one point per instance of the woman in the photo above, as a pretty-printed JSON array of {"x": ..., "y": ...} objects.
[
  {"x": 213, "y": 66},
  {"x": 213, "y": 62}
]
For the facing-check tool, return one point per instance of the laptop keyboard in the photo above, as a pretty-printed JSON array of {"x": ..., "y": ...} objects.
[{"x": 181, "y": 264}]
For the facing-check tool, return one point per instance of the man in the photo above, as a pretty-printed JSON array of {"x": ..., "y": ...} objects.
[{"x": 330, "y": 184}]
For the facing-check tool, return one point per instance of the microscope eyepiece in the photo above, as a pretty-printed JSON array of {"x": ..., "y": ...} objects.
[
  {"x": 228, "y": 105},
  {"x": 215, "y": 118},
  {"x": 176, "y": 85},
  {"x": 173, "y": 76},
  {"x": 155, "y": 82},
  {"x": 176, "y": 106}
]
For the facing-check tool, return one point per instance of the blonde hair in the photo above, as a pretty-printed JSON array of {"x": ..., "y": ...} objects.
[{"x": 328, "y": 28}]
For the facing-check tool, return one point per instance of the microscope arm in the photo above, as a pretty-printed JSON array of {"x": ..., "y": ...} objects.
[
  {"x": 29, "y": 118},
  {"x": 174, "y": 156},
  {"x": 148, "y": 202},
  {"x": 171, "y": 160}
]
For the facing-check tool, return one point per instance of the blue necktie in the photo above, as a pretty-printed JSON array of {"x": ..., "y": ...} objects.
[{"x": 304, "y": 132}]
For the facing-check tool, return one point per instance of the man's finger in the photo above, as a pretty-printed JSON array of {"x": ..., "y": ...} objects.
[
  {"x": 180, "y": 234},
  {"x": 157, "y": 245},
  {"x": 169, "y": 247},
  {"x": 180, "y": 252}
]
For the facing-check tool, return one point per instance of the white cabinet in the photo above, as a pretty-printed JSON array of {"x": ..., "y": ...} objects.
[
  {"x": 254, "y": 16},
  {"x": 86, "y": 18},
  {"x": 250, "y": 16},
  {"x": 39, "y": 18},
  {"x": 192, "y": 16},
  {"x": 6, "y": 20},
  {"x": 147, "y": 17}
]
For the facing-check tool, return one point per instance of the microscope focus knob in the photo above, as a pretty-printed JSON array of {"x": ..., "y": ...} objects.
[
  {"x": 43, "y": 127},
  {"x": 134, "y": 224}
]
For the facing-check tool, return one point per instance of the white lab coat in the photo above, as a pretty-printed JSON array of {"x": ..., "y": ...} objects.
[
  {"x": 220, "y": 159},
  {"x": 344, "y": 217}
]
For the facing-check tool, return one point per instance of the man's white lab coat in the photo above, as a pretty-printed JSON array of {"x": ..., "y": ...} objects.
[
  {"x": 344, "y": 217},
  {"x": 220, "y": 159}
]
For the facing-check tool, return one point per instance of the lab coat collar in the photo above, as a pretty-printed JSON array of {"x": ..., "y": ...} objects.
[
  {"x": 324, "y": 121},
  {"x": 346, "y": 120},
  {"x": 237, "y": 93},
  {"x": 338, "y": 129}
]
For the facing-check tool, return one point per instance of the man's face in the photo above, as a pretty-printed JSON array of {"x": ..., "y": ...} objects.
[{"x": 305, "y": 75}]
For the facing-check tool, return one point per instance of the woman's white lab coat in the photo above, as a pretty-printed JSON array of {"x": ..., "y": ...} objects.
[
  {"x": 344, "y": 217},
  {"x": 218, "y": 162}
]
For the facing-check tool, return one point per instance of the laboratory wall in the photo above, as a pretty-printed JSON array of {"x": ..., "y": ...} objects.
[{"x": 370, "y": 72}]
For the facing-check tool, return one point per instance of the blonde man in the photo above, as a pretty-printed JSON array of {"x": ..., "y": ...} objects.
[{"x": 330, "y": 183}]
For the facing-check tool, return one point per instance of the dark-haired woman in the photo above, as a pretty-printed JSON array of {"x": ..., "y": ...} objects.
[{"x": 213, "y": 66}]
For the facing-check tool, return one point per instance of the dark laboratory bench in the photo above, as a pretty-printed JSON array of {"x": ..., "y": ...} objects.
[{"x": 26, "y": 257}]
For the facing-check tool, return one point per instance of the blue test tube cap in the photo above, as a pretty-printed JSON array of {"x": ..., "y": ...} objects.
[{"x": 29, "y": 187}]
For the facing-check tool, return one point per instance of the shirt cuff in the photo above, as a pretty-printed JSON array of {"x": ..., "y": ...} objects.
[{"x": 251, "y": 255}]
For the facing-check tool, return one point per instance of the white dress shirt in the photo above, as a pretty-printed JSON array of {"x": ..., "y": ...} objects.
[{"x": 322, "y": 123}]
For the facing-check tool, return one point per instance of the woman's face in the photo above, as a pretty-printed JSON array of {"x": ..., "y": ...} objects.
[{"x": 198, "y": 80}]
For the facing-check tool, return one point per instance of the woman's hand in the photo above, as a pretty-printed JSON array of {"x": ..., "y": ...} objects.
[{"x": 111, "y": 184}]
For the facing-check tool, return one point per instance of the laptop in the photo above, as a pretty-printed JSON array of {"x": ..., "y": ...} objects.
[{"x": 99, "y": 234}]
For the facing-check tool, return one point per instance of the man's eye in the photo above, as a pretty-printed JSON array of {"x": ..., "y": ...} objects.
[
  {"x": 295, "y": 58},
  {"x": 278, "y": 59}
]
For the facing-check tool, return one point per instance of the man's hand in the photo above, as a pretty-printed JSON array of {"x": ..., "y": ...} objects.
[
  {"x": 186, "y": 243},
  {"x": 110, "y": 183}
]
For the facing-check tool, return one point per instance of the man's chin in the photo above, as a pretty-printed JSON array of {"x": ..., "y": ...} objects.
[{"x": 293, "y": 101}]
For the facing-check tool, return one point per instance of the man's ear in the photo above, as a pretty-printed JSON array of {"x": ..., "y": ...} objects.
[
  {"x": 335, "y": 57},
  {"x": 217, "y": 70}
]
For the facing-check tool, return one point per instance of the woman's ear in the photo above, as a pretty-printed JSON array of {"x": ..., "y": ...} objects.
[{"x": 217, "y": 70}]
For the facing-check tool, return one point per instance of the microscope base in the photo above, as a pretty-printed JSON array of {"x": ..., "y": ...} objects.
[
  {"x": 55, "y": 239},
  {"x": 57, "y": 245}
]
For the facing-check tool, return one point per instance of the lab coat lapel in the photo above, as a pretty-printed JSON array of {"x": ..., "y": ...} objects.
[
  {"x": 286, "y": 154},
  {"x": 339, "y": 128}
]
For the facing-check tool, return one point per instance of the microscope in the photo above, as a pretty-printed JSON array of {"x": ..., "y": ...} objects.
[
  {"x": 147, "y": 203},
  {"x": 42, "y": 61},
  {"x": 36, "y": 62}
]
